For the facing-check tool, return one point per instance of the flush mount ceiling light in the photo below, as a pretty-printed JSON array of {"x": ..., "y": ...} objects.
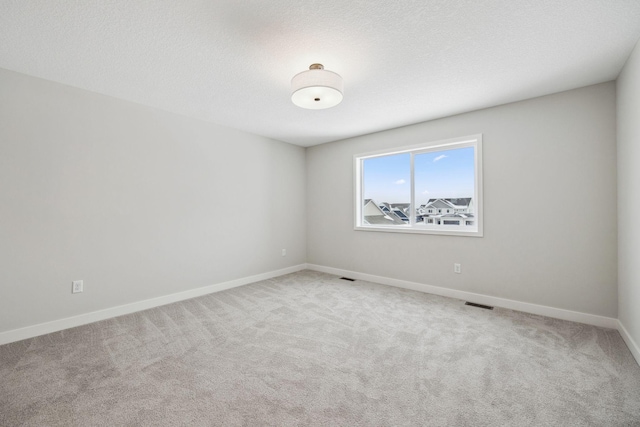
[{"x": 316, "y": 88}]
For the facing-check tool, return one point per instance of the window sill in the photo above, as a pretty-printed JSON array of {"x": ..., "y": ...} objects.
[{"x": 441, "y": 231}]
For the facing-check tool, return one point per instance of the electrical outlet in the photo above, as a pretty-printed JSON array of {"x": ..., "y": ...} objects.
[
  {"x": 77, "y": 287},
  {"x": 284, "y": 252},
  {"x": 457, "y": 268}
]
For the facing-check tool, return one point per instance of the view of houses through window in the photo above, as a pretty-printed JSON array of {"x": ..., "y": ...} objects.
[{"x": 427, "y": 188}]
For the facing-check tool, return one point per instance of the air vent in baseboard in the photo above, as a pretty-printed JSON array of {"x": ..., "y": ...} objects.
[
  {"x": 346, "y": 278},
  {"x": 486, "y": 307}
]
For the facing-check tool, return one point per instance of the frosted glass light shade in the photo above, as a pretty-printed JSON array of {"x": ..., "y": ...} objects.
[{"x": 316, "y": 88}]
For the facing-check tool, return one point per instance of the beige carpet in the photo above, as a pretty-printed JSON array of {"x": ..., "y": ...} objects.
[{"x": 310, "y": 349}]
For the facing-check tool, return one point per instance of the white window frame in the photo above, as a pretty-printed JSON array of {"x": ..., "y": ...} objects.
[{"x": 448, "y": 144}]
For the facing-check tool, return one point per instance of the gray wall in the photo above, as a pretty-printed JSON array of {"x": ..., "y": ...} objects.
[
  {"x": 629, "y": 195},
  {"x": 137, "y": 202},
  {"x": 549, "y": 203}
]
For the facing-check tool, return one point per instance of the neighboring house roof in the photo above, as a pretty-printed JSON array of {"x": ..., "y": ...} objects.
[
  {"x": 449, "y": 203},
  {"x": 401, "y": 214},
  {"x": 383, "y": 220},
  {"x": 461, "y": 202},
  {"x": 440, "y": 204},
  {"x": 402, "y": 206},
  {"x": 373, "y": 214}
]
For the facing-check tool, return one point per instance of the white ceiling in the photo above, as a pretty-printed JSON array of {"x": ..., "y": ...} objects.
[{"x": 231, "y": 62}]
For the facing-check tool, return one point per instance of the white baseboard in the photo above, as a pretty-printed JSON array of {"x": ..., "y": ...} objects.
[
  {"x": 83, "y": 319},
  {"x": 633, "y": 347},
  {"x": 556, "y": 313}
]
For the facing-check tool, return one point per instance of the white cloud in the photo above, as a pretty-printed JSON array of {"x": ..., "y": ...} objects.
[
  {"x": 425, "y": 192},
  {"x": 440, "y": 157},
  {"x": 400, "y": 181}
]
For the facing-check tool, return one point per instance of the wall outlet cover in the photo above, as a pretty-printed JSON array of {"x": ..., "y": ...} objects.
[{"x": 77, "y": 286}]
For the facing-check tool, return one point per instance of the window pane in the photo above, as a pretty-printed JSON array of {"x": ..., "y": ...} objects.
[
  {"x": 386, "y": 190},
  {"x": 445, "y": 188}
]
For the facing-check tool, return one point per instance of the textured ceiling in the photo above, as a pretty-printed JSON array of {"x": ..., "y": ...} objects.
[{"x": 230, "y": 62}]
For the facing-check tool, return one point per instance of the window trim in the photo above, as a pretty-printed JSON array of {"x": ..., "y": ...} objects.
[{"x": 461, "y": 142}]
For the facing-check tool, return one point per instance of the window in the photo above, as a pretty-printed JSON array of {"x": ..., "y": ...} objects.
[{"x": 432, "y": 188}]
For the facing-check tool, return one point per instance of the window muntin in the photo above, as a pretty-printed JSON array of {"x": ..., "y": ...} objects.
[{"x": 433, "y": 188}]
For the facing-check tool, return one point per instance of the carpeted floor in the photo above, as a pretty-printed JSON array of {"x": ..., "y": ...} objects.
[{"x": 309, "y": 349}]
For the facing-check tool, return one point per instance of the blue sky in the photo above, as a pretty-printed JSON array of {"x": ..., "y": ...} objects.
[{"x": 439, "y": 174}]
